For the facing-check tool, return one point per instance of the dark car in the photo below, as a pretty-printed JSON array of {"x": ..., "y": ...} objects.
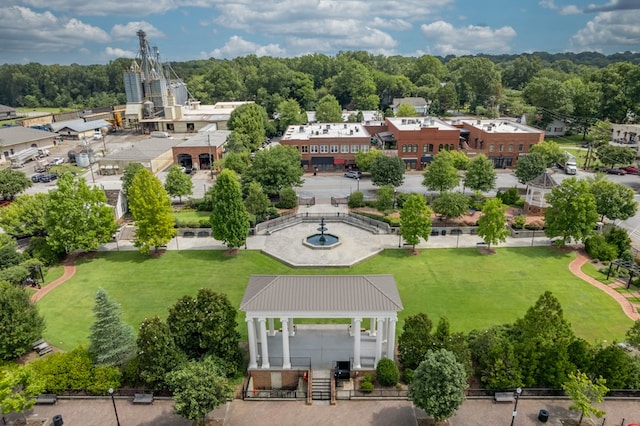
[
  {"x": 36, "y": 178},
  {"x": 615, "y": 171},
  {"x": 353, "y": 174},
  {"x": 48, "y": 177},
  {"x": 630, "y": 170}
]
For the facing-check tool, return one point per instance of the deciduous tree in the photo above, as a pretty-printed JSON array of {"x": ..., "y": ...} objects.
[
  {"x": 205, "y": 325},
  {"x": 257, "y": 202},
  {"x": 20, "y": 322},
  {"x": 492, "y": 225},
  {"x": 127, "y": 177},
  {"x": 584, "y": 392},
  {"x": 451, "y": 204},
  {"x": 78, "y": 217},
  {"x": 328, "y": 110},
  {"x": 530, "y": 167},
  {"x": 251, "y": 120},
  {"x": 290, "y": 113},
  {"x": 111, "y": 341},
  {"x": 150, "y": 207},
  {"x": 25, "y": 216},
  {"x": 480, "y": 175},
  {"x": 550, "y": 151},
  {"x": 13, "y": 182},
  {"x": 613, "y": 200},
  {"x": 198, "y": 387},
  {"x": 178, "y": 183},
  {"x": 415, "y": 340},
  {"x": 415, "y": 220},
  {"x": 613, "y": 155},
  {"x": 157, "y": 351},
  {"x": 387, "y": 171},
  {"x": 275, "y": 168},
  {"x": 19, "y": 387},
  {"x": 229, "y": 217},
  {"x": 438, "y": 384},
  {"x": 572, "y": 213},
  {"x": 365, "y": 160},
  {"x": 441, "y": 175},
  {"x": 406, "y": 110}
]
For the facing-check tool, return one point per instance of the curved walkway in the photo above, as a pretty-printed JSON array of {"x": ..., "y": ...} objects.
[
  {"x": 69, "y": 271},
  {"x": 576, "y": 269}
]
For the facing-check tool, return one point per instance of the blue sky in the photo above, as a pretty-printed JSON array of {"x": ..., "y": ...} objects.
[{"x": 90, "y": 32}]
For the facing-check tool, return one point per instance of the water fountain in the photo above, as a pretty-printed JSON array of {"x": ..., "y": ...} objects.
[{"x": 322, "y": 241}]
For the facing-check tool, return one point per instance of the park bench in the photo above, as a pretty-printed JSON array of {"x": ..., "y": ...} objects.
[
  {"x": 46, "y": 398},
  {"x": 45, "y": 350},
  {"x": 503, "y": 397},
  {"x": 143, "y": 398}
]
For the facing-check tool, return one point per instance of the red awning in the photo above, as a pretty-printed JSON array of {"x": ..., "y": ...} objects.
[{"x": 338, "y": 161}]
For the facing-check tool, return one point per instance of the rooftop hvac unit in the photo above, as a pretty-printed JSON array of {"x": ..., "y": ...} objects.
[
  {"x": 345, "y": 125},
  {"x": 317, "y": 133},
  {"x": 357, "y": 129},
  {"x": 351, "y": 132},
  {"x": 301, "y": 129},
  {"x": 404, "y": 121},
  {"x": 432, "y": 121},
  {"x": 478, "y": 122},
  {"x": 328, "y": 126}
]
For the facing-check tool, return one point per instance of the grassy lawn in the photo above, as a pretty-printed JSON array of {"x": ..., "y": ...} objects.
[
  {"x": 190, "y": 215},
  {"x": 594, "y": 273},
  {"x": 472, "y": 290}
]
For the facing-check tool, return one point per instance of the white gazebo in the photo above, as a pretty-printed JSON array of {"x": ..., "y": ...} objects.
[
  {"x": 536, "y": 200},
  {"x": 288, "y": 297}
]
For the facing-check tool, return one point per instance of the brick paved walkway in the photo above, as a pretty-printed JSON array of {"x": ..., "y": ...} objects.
[{"x": 575, "y": 267}]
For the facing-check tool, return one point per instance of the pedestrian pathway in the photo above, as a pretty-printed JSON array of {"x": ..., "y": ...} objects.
[
  {"x": 69, "y": 271},
  {"x": 576, "y": 269}
]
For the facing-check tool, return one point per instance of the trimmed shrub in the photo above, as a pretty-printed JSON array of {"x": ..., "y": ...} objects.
[
  {"x": 509, "y": 197},
  {"x": 288, "y": 199},
  {"x": 366, "y": 387},
  {"x": 519, "y": 221},
  {"x": 597, "y": 248},
  {"x": 387, "y": 372},
  {"x": 407, "y": 375},
  {"x": 356, "y": 199}
]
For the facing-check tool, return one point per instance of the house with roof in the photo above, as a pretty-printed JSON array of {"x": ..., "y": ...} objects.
[
  {"x": 79, "y": 129},
  {"x": 420, "y": 105},
  {"x": 202, "y": 149},
  {"x": 7, "y": 112},
  {"x": 16, "y": 138},
  {"x": 116, "y": 199}
]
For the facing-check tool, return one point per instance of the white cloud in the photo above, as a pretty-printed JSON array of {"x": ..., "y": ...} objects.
[
  {"x": 547, "y": 4},
  {"x": 104, "y": 7},
  {"x": 570, "y": 10},
  {"x": 26, "y": 31},
  {"x": 128, "y": 30},
  {"x": 445, "y": 39},
  {"x": 237, "y": 46},
  {"x": 114, "y": 52},
  {"x": 391, "y": 24},
  {"x": 617, "y": 29}
]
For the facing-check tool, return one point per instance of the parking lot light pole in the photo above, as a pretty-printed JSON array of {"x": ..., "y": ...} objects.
[
  {"x": 358, "y": 180},
  {"x": 115, "y": 410},
  {"x": 515, "y": 408}
]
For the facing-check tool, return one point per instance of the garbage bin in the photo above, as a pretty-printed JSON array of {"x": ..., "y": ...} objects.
[
  {"x": 444, "y": 232},
  {"x": 543, "y": 416},
  {"x": 57, "y": 420}
]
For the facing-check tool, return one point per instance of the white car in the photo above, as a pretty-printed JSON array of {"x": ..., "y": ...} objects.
[{"x": 56, "y": 161}]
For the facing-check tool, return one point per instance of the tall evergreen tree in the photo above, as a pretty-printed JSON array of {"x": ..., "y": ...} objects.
[
  {"x": 111, "y": 341},
  {"x": 229, "y": 217},
  {"x": 150, "y": 207}
]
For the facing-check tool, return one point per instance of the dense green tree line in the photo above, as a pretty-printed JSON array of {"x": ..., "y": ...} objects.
[{"x": 582, "y": 87}]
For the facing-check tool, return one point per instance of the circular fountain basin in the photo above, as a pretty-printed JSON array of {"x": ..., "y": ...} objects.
[{"x": 317, "y": 242}]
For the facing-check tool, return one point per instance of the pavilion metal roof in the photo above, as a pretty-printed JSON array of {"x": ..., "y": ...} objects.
[
  {"x": 346, "y": 294},
  {"x": 544, "y": 180}
]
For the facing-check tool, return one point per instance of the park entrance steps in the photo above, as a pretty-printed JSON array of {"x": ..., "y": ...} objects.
[{"x": 321, "y": 385}]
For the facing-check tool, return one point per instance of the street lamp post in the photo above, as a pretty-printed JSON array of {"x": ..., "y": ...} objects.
[
  {"x": 515, "y": 408},
  {"x": 358, "y": 181},
  {"x": 115, "y": 410}
]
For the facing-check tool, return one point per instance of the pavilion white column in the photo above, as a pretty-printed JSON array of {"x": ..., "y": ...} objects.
[
  {"x": 253, "y": 345},
  {"x": 379, "y": 341},
  {"x": 372, "y": 326},
  {"x": 292, "y": 328},
  {"x": 263, "y": 343},
  {"x": 356, "y": 342},
  {"x": 391, "y": 339},
  {"x": 286, "y": 357},
  {"x": 352, "y": 327},
  {"x": 272, "y": 329}
]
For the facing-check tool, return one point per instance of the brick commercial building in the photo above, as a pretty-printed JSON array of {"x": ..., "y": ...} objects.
[
  {"x": 202, "y": 149},
  {"x": 328, "y": 147}
]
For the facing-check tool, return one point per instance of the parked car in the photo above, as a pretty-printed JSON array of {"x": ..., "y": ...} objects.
[
  {"x": 48, "y": 177},
  {"x": 630, "y": 170},
  {"x": 57, "y": 161},
  {"x": 615, "y": 171},
  {"x": 36, "y": 178},
  {"x": 353, "y": 174}
]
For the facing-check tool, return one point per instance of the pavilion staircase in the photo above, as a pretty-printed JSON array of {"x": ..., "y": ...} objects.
[{"x": 321, "y": 385}]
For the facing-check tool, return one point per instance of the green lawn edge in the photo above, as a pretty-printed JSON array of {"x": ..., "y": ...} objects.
[{"x": 473, "y": 290}]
